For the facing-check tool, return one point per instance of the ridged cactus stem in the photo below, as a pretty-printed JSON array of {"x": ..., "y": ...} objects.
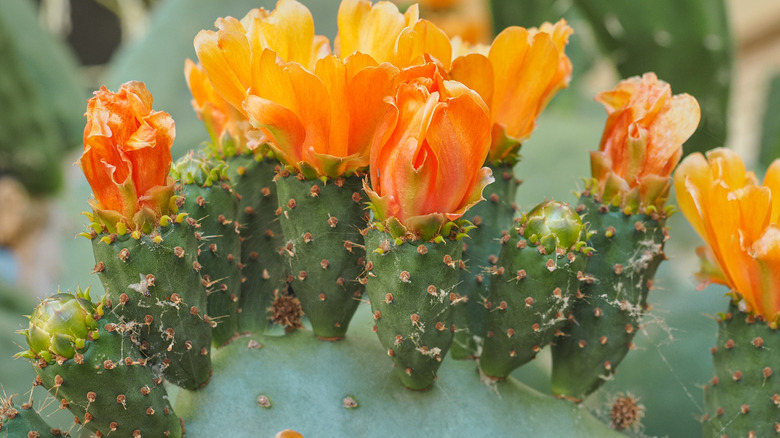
[
  {"x": 411, "y": 286},
  {"x": 492, "y": 220},
  {"x": 263, "y": 273},
  {"x": 534, "y": 284},
  {"x": 321, "y": 221},
  {"x": 154, "y": 281},
  {"x": 210, "y": 201},
  {"x": 743, "y": 399},
  {"x": 628, "y": 249}
]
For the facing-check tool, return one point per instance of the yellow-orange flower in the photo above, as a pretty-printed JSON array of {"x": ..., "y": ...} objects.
[
  {"x": 642, "y": 140},
  {"x": 230, "y": 55},
  {"x": 127, "y": 156},
  {"x": 429, "y": 170},
  {"x": 227, "y": 127},
  {"x": 738, "y": 219},
  {"x": 386, "y": 35},
  {"x": 322, "y": 123},
  {"x": 522, "y": 71}
]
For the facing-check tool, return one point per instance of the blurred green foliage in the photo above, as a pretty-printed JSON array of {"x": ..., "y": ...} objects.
[
  {"x": 42, "y": 100},
  {"x": 770, "y": 135}
]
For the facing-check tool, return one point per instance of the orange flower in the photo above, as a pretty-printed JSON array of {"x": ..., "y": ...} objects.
[
  {"x": 738, "y": 219},
  {"x": 386, "y": 35},
  {"x": 429, "y": 171},
  {"x": 522, "y": 71},
  {"x": 227, "y": 127},
  {"x": 642, "y": 141},
  {"x": 127, "y": 156},
  {"x": 229, "y": 55},
  {"x": 322, "y": 123}
]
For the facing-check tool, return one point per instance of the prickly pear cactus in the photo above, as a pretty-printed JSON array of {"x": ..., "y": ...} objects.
[
  {"x": 491, "y": 221},
  {"x": 84, "y": 356},
  {"x": 534, "y": 283},
  {"x": 628, "y": 249},
  {"x": 411, "y": 286},
  {"x": 210, "y": 201},
  {"x": 153, "y": 281},
  {"x": 743, "y": 399},
  {"x": 262, "y": 241},
  {"x": 321, "y": 221},
  {"x": 23, "y": 421}
]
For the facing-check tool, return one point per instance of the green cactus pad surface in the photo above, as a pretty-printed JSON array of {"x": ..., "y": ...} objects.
[
  {"x": 262, "y": 241},
  {"x": 743, "y": 399},
  {"x": 349, "y": 394},
  {"x": 210, "y": 201},
  {"x": 533, "y": 288},
  {"x": 492, "y": 219},
  {"x": 158, "y": 286},
  {"x": 629, "y": 248},
  {"x": 411, "y": 286},
  {"x": 321, "y": 223},
  {"x": 23, "y": 421},
  {"x": 110, "y": 386}
]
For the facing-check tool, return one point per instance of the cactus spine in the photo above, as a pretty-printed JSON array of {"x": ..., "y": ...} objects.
[
  {"x": 106, "y": 383},
  {"x": 263, "y": 272},
  {"x": 153, "y": 281},
  {"x": 210, "y": 201},
  {"x": 24, "y": 421},
  {"x": 533, "y": 286},
  {"x": 629, "y": 248},
  {"x": 743, "y": 399},
  {"x": 321, "y": 221},
  {"x": 491, "y": 220},
  {"x": 411, "y": 285}
]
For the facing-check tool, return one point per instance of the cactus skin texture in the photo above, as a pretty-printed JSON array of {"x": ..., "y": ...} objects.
[
  {"x": 411, "y": 286},
  {"x": 105, "y": 382},
  {"x": 629, "y": 248},
  {"x": 262, "y": 241},
  {"x": 743, "y": 399},
  {"x": 158, "y": 287},
  {"x": 492, "y": 220},
  {"x": 210, "y": 201},
  {"x": 23, "y": 422},
  {"x": 321, "y": 223},
  {"x": 533, "y": 287}
]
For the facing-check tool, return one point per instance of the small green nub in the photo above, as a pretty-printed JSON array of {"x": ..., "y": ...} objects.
[
  {"x": 61, "y": 324},
  {"x": 552, "y": 225},
  {"x": 193, "y": 168}
]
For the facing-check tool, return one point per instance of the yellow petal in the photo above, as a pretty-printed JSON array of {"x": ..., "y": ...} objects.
[
  {"x": 767, "y": 252},
  {"x": 692, "y": 178},
  {"x": 368, "y": 29},
  {"x": 422, "y": 39},
  {"x": 476, "y": 72},
  {"x": 225, "y": 58},
  {"x": 772, "y": 180}
]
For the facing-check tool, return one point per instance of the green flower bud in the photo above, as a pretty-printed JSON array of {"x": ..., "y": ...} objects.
[
  {"x": 61, "y": 325},
  {"x": 552, "y": 225}
]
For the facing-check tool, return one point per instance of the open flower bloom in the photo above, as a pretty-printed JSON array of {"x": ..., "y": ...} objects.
[
  {"x": 429, "y": 170},
  {"x": 523, "y": 70},
  {"x": 127, "y": 156},
  {"x": 738, "y": 219},
  {"x": 383, "y": 33},
  {"x": 322, "y": 123},
  {"x": 642, "y": 140},
  {"x": 227, "y": 127},
  {"x": 230, "y": 55}
]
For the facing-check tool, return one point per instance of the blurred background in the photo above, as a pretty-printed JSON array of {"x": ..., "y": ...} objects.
[{"x": 55, "y": 52}]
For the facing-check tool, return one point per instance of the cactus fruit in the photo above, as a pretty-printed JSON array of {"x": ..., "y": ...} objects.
[
  {"x": 24, "y": 421},
  {"x": 629, "y": 248},
  {"x": 533, "y": 286},
  {"x": 411, "y": 286},
  {"x": 210, "y": 201},
  {"x": 153, "y": 281},
  {"x": 262, "y": 241},
  {"x": 491, "y": 221},
  {"x": 321, "y": 221},
  {"x": 84, "y": 357},
  {"x": 743, "y": 399}
]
